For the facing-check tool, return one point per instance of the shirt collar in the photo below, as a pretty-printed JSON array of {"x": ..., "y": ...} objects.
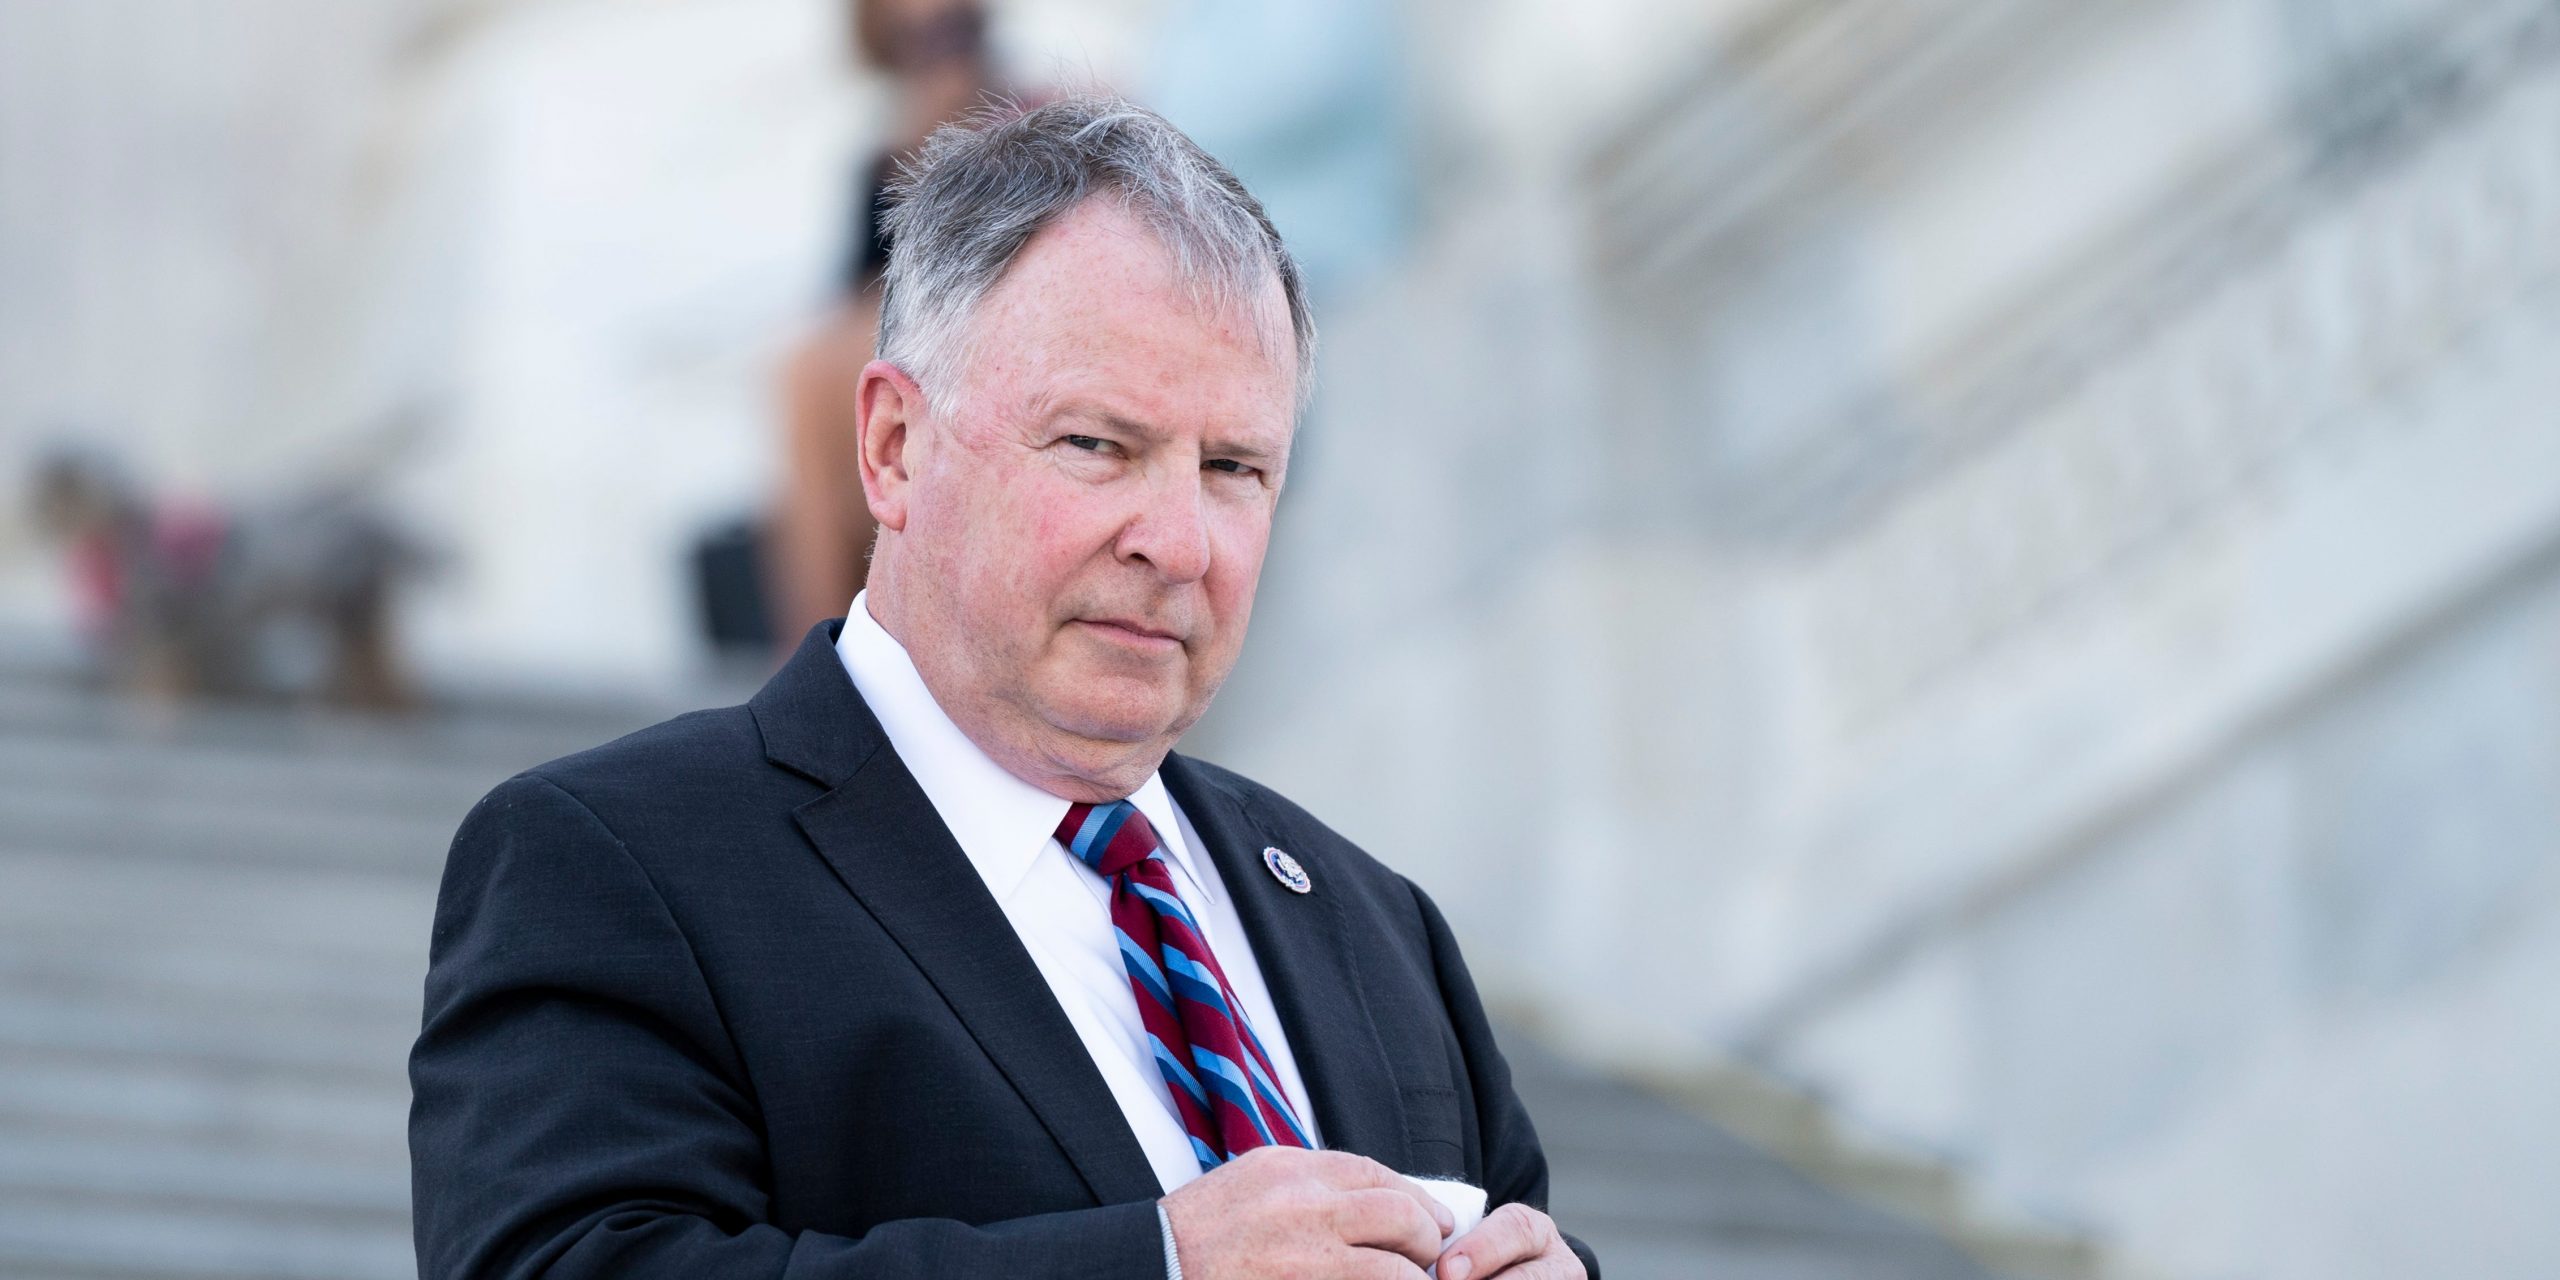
[{"x": 1000, "y": 821}]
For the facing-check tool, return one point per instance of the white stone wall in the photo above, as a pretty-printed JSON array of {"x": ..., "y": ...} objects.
[
  {"x": 1999, "y": 559},
  {"x": 653, "y": 205},
  {"x": 2294, "y": 1018}
]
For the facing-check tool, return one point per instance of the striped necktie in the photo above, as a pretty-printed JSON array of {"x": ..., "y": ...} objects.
[{"x": 1222, "y": 1083}]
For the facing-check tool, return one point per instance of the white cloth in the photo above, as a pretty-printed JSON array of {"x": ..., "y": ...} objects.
[
  {"x": 1463, "y": 1200},
  {"x": 1058, "y": 906}
]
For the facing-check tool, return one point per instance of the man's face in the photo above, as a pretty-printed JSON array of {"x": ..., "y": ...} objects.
[{"x": 1083, "y": 531}]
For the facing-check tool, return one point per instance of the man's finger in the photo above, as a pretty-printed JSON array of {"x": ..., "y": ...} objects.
[
  {"x": 1347, "y": 1172},
  {"x": 1511, "y": 1234},
  {"x": 1371, "y": 1264},
  {"x": 1378, "y": 1218},
  {"x": 1559, "y": 1265}
]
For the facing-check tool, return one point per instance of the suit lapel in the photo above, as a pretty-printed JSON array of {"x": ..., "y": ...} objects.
[
  {"x": 1302, "y": 944},
  {"x": 881, "y": 835}
]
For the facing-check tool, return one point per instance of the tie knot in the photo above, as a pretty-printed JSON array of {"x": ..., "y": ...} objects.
[{"x": 1110, "y": 838}]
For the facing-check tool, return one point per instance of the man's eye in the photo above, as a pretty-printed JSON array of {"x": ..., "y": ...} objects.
[
  {"x": 1227, "y": 464},
  {"x": 1088, "y": 443}
]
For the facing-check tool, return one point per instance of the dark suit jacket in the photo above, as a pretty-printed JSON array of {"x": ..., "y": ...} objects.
[{"x": 724, "y": 998}]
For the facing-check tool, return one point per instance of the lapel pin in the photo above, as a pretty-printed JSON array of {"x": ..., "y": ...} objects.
[{"x": 1286, "y": 870}]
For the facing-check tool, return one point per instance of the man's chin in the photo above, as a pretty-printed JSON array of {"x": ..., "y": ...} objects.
[{"x": 1129, "y": 724}]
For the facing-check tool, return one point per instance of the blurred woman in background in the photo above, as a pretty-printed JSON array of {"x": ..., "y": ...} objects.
[{"x": 934, "y": 53}]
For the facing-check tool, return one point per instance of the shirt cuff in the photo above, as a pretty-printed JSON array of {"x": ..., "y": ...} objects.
[{"x": 1172, "y": 1260}]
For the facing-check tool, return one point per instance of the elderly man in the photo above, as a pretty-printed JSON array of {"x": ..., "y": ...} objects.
[{"x": 932, "y": 959}]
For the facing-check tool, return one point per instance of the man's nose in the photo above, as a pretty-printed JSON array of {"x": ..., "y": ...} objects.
[{"x": 1170, "y": 531}]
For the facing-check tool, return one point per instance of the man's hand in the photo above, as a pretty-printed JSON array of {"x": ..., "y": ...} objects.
[
  {"x": 1284, "y": 1212},
  {"x": 1514, "y": 1242}
]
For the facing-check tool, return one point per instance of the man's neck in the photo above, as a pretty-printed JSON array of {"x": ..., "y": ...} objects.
[{"x": 1085, "y": 770}]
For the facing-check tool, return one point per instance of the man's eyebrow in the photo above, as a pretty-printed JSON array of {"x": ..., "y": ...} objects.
[
  {"x": 1125, "y": 426},
  {"x": 1245, "y": 451},
  {"x": 1218, "y": 445}
]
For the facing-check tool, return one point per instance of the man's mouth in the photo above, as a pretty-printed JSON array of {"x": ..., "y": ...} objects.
[{"x": 1132, "y": 632}]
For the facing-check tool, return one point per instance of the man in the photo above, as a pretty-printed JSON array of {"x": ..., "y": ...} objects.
[{"x": 932, "y": 960}]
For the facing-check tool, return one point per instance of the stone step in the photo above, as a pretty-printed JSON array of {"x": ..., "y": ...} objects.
[
  {"x": 389, "y": 786},
  {"x": 352, "y": 1189},
  {"x": 85, "y": 1237},
  {"x": 1908, "y": 1188},
  {"x": 1666, "y": 1192},
  {"x": 1714, "y": 1191},
  {"x": 1911, "y": 1186},
  {"x": 249, "y": 830},
  {"x": 62, "y": 960},
  {"x": 1752, "y": 1104},
  {"x": 372, "y": 1019},
  {"x": 1644, "y": 1255},
  {"x": 1616, "y": 1132},
  {"x": 325, "y": 914},
  {"x": 506, "y": 735},
  {"x": 72, "y": 1030},
  {"x": 245, "y": 1108},
  {"x": 2043, "y": 1255}
]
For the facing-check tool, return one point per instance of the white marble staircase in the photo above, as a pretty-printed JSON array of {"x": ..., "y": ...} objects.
[{"x": 212, "y": 930}]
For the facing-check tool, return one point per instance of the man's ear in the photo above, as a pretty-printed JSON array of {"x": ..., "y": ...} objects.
[{"x": 888, "y": 411}]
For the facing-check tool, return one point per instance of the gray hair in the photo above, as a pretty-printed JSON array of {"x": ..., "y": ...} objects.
[{"x": 979, "y": 189}]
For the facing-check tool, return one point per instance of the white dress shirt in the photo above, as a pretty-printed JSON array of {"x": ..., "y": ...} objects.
[{"x": 1060, "y": 907}]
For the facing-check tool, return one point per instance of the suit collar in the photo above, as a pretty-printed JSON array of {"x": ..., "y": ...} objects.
[
  {"x": 813, "y": 721},
  {"x": 880, "y": 835}
]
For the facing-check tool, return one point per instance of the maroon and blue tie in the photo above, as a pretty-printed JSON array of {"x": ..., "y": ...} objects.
[{"x": 1222, "y": 1083}]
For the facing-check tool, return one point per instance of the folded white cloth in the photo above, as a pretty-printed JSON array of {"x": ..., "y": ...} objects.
[{"x": 1465, "y": 1203}]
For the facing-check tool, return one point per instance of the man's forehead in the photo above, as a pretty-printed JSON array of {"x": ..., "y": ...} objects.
[{"x": 1100, "y": 272}]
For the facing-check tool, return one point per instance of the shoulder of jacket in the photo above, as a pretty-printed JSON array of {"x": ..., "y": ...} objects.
[
  {"x": 1301, "y": 832},
  {"x": 687, "y": 747}
]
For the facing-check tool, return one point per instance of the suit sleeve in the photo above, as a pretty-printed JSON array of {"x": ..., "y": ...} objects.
[
  {"x": 1515, "y": 1166},
  {"x": 578, "y": 1109}
]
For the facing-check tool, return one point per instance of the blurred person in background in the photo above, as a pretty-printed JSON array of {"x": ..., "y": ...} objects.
[
  {"x": 932, "y": 959},
  {"x": 934, "y": 54},
  {"x": 1309, "y": 103},
  {"x": 288, "y": 594}
]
